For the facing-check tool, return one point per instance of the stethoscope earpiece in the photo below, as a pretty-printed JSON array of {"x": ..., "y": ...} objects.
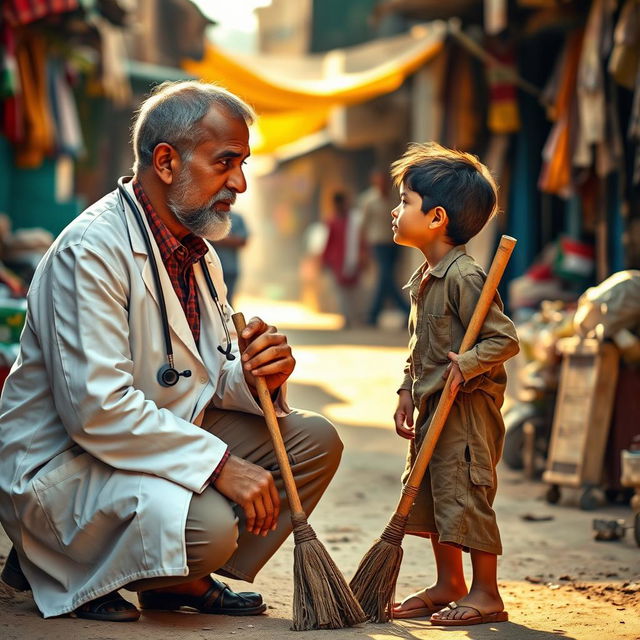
[{"x": 168, "y": 375}]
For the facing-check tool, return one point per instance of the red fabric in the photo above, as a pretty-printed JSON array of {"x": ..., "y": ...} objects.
[
  {"x": 178, "y": 258},
  {"x": 21, "y": 12},
  {"x": 335, "y": 251},
  {"x": 216, "y": 473}
]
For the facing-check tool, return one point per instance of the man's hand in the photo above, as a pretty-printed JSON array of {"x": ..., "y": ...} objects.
[
  {"x": 253, "y": 488},
  {"x": 266, "y": 353},
  {"x": 458, "y": 378},
  {"x": 403, "y": 417}
]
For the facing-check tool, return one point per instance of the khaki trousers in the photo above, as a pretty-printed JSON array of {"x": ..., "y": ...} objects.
[{"x": 216, "y": 539}]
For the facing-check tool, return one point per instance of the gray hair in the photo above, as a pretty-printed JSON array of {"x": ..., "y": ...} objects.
[{"x": 172, "y": 113}]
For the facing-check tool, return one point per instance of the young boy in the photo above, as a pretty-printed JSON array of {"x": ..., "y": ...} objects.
[{"x": 446, "y": 197}]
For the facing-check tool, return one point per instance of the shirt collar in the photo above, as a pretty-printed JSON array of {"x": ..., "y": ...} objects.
[
  {"x": 191, "y": 248},
  {"x": 440, "y": 269}
]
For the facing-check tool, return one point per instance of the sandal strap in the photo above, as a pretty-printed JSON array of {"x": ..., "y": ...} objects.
[
  {"x": 214, "y": 595},
  {"x": 424, "y": 596},
  {"x": 454, "y": 605}
]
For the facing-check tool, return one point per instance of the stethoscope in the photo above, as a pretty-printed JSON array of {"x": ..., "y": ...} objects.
[{"x": 168, "y": 375}]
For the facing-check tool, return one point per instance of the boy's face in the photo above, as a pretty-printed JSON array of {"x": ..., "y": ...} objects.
[{"x": 410, "y": 225}]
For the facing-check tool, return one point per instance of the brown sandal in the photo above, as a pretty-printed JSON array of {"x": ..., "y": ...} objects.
[
  {"x": 429, "y": 608},
  {"x": 480, "y": 618}
]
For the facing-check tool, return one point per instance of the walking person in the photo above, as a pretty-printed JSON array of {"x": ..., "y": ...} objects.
[
  {"x": 228, "y": 250},
  {"x": 376, "y": 204},
  {"x": 344, "y": 254}
]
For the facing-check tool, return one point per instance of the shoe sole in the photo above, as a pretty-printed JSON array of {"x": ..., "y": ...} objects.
[
  {"x": 126, "y": 616},
  {"x": 249, "y": 611}
]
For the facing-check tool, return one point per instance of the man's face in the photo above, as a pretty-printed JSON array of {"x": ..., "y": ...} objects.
[{"x": 206, "y": 185}]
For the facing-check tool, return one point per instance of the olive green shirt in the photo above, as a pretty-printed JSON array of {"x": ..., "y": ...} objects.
[{"x": 442, "y": 302}]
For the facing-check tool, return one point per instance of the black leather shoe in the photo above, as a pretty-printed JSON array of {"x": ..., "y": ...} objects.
[
  {"x": 219, "y": 599},
  {"x": 12, "y": 573},
  {"x": 111, "y": 607}
]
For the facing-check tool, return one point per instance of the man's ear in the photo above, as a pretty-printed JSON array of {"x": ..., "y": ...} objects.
[
  {"x": 166, "y": 162},
  {"x": 439, "y": 219}
]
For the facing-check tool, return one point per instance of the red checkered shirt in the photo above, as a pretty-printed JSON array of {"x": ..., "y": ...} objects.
[{"x": 179, "y": 258}]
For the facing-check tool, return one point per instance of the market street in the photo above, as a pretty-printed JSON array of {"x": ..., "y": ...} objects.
[{"x": 556, "y": 580}]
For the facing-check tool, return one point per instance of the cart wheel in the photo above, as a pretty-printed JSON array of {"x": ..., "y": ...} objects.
[
  {"x": 553, "y": 494},
  {"x": 636, "y": 528},
  {"x": 588, "y": 500}
]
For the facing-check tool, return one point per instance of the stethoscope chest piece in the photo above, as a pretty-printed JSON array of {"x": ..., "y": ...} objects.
[{"x": 169, "y": 376}]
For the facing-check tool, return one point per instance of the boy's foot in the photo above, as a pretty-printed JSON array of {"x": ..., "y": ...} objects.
[
  {"x": 476, "y": 608},
  {"x": 420, "y": 604}
]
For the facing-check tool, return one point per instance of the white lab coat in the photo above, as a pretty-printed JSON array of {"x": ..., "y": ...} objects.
[{"x": 98, "y": 461}]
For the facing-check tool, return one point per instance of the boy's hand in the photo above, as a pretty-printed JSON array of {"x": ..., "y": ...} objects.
[
  {"x": 403, "y": 417},
  {"x": 458, "y": 378}
]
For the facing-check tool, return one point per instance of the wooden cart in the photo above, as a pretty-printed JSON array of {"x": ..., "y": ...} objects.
[{"x": 582, "y": 418}]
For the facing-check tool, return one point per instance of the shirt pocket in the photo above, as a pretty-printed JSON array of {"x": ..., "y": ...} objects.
[{"x": 439, "y": 336}]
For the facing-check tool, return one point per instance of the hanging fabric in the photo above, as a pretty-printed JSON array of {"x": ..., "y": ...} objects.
[
  {"x": 503, "y": 115},
  {"x": 21, "y": 12},
  {"x": 37, "y": 142},
  {"x": 556, "y": 175}
]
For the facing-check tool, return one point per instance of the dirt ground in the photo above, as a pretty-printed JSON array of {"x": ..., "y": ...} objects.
[{"x": 556, "y": 581}]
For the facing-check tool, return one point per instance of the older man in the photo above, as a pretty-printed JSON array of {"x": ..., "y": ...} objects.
[{"x": 133, "y": 450}]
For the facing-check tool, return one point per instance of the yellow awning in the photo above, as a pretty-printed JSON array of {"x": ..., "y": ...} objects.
[{"x": 293, "y": 98}]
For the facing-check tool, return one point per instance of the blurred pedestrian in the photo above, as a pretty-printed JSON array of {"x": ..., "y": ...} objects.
[
  {"x": 345, "y": 254},
  {"x": 228, "y": 250},
  {"x": 376, "y": 204}
]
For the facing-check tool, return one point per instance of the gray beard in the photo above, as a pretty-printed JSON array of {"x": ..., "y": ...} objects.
[{"x": 206, "y": 221}]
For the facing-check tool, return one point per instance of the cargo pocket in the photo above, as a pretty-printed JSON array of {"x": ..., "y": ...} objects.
[
  {"x": 481, "y": 476},
  {"x": 469, "y": 476},
  {"x": 439, "y": 332}
]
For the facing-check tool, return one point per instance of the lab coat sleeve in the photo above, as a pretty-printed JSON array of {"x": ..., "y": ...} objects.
[{"x": 83, "y": 322}]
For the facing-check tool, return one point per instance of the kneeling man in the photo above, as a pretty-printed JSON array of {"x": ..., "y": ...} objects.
[{"x": 133, "y": 450}]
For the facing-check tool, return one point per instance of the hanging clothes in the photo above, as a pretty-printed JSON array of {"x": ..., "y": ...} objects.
[
  {"x": 38, "y": 139},
  {"x": 598, "y": 141},
  {"x": 10, "y": 92},
  {"x": 556, "y": 174},
  {"x": 625, "y": 56},
  {"x": 21, "y": 12},
  {"x": 68, "y": 136},
  {"x": 503, "y": 115}
]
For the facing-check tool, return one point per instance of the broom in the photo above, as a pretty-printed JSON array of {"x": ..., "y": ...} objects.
[
  {"x": 322, "y": 598},
  {"x": 375, "y": 580}
]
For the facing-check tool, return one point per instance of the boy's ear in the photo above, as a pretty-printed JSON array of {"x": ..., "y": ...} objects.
[{"x": 439, "y": 219}]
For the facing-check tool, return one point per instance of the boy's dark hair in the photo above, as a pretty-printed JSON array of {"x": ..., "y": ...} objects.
[{"x": 456, "y": 181}]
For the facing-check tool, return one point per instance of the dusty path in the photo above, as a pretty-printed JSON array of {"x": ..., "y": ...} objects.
[{"x": 556, "y": 581}]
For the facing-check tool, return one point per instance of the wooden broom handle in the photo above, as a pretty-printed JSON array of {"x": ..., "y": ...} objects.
[
  {"x": 447, "y": 398},
  {"x": 274, "y": 429}
]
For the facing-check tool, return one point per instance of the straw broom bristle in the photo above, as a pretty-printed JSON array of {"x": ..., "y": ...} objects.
[
  {"x": 321, "y": 596},
  {"x": 374, "y": 583}
]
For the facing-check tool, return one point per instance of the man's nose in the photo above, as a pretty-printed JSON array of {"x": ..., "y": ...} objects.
[{"x": 237, "y": 181}]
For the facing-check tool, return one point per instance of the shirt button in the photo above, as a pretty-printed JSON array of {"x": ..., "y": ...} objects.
[{"x": 203, "y": 380}]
